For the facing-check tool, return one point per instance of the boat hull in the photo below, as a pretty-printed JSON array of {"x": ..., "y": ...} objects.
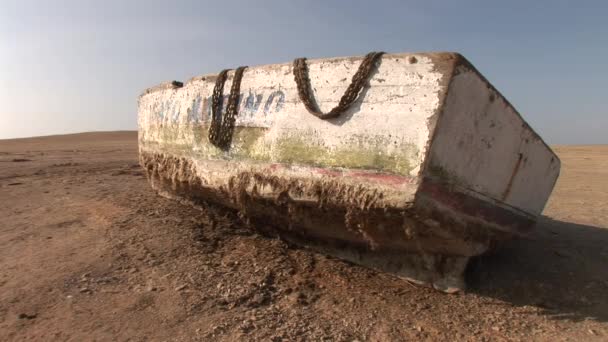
[{"x": 414, "y": 180}]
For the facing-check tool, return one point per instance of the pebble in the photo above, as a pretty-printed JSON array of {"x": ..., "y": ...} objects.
[
  {"x": 181, "y": 287},
  {"x": 27, "y": 316}
]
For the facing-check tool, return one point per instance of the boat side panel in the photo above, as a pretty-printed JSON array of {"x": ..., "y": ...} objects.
[{"x": 385, "y": 130}]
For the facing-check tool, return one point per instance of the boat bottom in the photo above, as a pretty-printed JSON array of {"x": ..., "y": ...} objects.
[
  {"x": 347, "y": 221},
  {"x": 441, "y": 272}
]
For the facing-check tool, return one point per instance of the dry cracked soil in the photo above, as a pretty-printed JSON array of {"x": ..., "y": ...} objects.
[{"x": 88, "y": 252}]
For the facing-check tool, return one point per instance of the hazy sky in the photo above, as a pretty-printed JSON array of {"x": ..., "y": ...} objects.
[{"x": 70, "y": 66}]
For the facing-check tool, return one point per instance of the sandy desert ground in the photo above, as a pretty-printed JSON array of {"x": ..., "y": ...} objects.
[{"x": 89, "y": 252}]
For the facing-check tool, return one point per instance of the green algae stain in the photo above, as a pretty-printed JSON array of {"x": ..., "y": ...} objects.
[
  {"x": 169, "y": 132},
  {"x": 299, "y": 147},
  {"x": 444, "y": 175},
  {"x": 361, "y": 154},
  {"x": 248, "y": 143}
]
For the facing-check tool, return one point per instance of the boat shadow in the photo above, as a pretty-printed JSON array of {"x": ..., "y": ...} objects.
[{"x": 562, "y": 268}]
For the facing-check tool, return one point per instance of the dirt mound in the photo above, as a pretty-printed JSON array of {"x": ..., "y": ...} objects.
[{"x": 89, "y": 251}]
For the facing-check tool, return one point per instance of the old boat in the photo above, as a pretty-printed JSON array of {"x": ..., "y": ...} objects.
[{"x": 420, "y": 165}]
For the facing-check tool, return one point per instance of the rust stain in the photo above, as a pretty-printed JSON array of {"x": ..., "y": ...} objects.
[{"x": 507, "y": 191}]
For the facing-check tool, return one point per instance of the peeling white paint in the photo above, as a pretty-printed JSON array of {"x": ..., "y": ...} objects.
[{"x": 399, "y": 100}]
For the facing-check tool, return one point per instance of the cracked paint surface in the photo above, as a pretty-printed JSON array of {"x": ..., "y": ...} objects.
[{"x": 385, "y": 130}]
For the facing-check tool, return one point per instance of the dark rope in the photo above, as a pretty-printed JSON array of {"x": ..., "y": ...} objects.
[
  {"x": 300, "y": 72},
  {"x": 221, "y": 129}
]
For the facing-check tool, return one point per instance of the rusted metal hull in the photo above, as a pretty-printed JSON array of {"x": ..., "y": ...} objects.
[{"x": 411, "y": 193}]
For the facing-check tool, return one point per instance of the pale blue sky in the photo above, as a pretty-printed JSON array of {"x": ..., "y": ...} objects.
[{"x": 70, "y": 66}]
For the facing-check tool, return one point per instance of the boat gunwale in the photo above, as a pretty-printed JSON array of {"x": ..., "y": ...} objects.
[{"x": 211, "y": 76}]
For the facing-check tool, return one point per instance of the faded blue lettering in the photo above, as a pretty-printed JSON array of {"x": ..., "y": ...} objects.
[
  {"x": 280, "y": 101},
  {"x": 249, "y": 105},
  {"x": 195, "y": 112}
]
